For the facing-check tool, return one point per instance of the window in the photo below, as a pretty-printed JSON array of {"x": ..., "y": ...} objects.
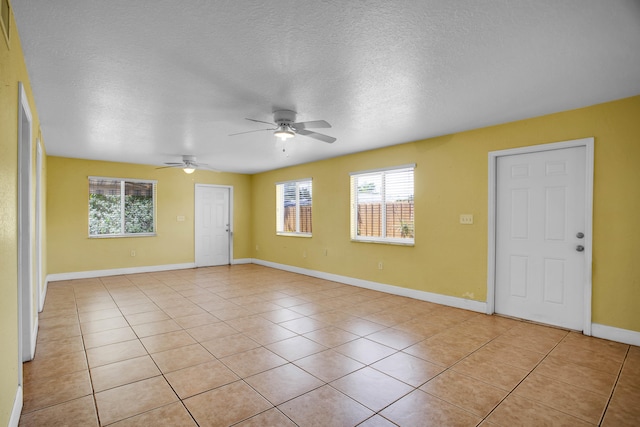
[
  {"x": 293, "y": 207},
  {"x": 382, "y": 205},
  {"x": 121, "y": 207}
]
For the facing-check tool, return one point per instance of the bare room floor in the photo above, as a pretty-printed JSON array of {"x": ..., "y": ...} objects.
[{"x": 252, "y": 346}]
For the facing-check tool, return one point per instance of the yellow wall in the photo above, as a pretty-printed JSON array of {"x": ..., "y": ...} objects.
[
  {"x": 71, "y": 250},
  {"x": 12, "y": 71},
  {"x": 451, "y": 178}
]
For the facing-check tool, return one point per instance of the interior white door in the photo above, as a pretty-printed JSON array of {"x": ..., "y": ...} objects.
[
  {"x": 540, "y": 226},
  {"x": 212, "y": 226}
]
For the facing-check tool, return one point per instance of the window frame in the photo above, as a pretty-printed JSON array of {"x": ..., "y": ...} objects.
[
  {"x": 353, "y": 185},
  {"x": 280, "y": 208},
  {"x": 122, "y": 183}
]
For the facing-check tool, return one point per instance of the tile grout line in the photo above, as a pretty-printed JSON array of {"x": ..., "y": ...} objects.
[{"x": 615, "y": 385}]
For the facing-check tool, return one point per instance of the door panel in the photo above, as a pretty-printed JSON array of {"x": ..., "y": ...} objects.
[
  {"x": 540, "y": 208},
  {"x": 212, "y": 227}
]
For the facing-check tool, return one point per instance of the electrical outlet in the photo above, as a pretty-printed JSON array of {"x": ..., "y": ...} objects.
[
  {"x": 380, "y": 265},
  {"x": 133, "y": 253},
  {"x": 466, "y": 219},
  {"x": 304, "y": 254}
]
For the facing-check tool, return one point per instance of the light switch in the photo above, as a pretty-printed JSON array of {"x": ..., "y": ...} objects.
[
  {"x": 180, "y": 218},
  {"x": 466, "y": 218}
]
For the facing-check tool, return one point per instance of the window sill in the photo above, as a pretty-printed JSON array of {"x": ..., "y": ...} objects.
[
  {"x": 120, "y": 236},
  {"x": 294, "y": 234},
  {"x": 385, "y": 242}
]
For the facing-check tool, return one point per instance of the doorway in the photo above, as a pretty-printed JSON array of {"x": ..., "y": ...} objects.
[
  {"x": 213, "y": 225},
  {"x": 540, "y": 215}
]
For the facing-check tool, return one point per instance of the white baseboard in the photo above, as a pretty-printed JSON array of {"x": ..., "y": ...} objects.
[
  {"x": 450, "y": 301},
  {"x": 117, "y": 272},
  {"x": 17, "y": 409},
  {"x": 43, "y": 295},
  {"x": 600, "y": 331},
  {"x": 34, "y": 338},
  {"x": 615, "y": 334}
]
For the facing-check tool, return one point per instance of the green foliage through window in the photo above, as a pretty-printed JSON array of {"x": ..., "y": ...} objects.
[{"x": 121, "y": 207}]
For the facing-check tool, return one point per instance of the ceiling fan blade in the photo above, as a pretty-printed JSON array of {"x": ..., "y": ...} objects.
[
  {"x": 260, "y": 121},
  {"x": 319, "y": 136},
  {"x": 250, "y": 131},
  {"x": 178, "y": 165},
  {"x": 173, "y": 164},
  {"x": 206, "y": 167},
  {"x": 313, "y": 124}
]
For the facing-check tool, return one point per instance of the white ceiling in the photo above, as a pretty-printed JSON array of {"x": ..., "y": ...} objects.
[{"x": 145, "y": 81}]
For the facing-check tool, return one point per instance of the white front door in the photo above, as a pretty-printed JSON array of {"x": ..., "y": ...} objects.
[
  {"x": 540, "y": 236},
  {"x": 212, "y": 226}
]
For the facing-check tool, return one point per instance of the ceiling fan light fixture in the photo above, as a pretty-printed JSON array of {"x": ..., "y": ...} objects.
[
  {"x": 284, "y": 132},
  {"x": 189, "y": 169}
]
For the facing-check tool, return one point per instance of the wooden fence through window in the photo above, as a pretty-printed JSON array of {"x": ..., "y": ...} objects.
[
  {"x": 290, "y": 219},
  {"x": 399, "y": 219}
]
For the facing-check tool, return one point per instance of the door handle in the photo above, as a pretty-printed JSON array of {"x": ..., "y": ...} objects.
[
  {"x": 580, "y": 235},
  {"x": 580, "y": 248}
]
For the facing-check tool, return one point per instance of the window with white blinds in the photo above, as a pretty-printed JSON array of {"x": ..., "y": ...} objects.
[
  {"x": 121, "y": 207},
  {"x": 294, "y": 207},
  {"x": 382, "y": 207}
]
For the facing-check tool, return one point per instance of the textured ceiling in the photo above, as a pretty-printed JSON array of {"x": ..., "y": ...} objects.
[{"x": 145, "y": 81}]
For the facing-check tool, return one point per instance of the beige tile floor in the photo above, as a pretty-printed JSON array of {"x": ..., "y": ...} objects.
[{"x": 253, "y": 346}]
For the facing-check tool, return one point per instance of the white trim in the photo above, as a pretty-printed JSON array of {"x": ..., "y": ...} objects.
[
  {"x": 34, "y": 337},
  {"x": 39, "y": 221},
  {"x": 293, "y": 234},
  {"x": 588, "y": 231},
  {"x": 616, "y": 334},
  {"x": 294, "y": 180},
  {"x": 25, "y": 233},
  {"x": 389, "y": 168},
  {"x": 17, "y": 408},
  {"x": 601, "y": 331},
  {"x": 117, "y": 272},
  {"x": 588, "y": 143},
  {"x": 43, "y": 296},
  {"x": 457, "y": 302}
]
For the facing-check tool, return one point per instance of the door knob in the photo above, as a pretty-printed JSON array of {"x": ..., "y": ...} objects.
[
  {"x": 580, "y": 235},
  {"x": 580, "y": 248}
]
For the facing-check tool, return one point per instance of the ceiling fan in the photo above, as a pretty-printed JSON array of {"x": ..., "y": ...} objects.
[
  {"x": 188, "y": 165},
  {"x": 286, "y": 127}
]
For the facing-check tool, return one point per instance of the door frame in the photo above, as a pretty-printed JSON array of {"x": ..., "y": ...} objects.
[
  {"x": 588, "y": 143},
  {"x": 27, "y": 325},
  {"x": 40, "y": 285},
  {"x": 195, "y": 197}
]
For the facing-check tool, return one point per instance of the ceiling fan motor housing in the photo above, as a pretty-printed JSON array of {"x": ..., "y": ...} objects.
[{"x": 284, "y": 117}]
